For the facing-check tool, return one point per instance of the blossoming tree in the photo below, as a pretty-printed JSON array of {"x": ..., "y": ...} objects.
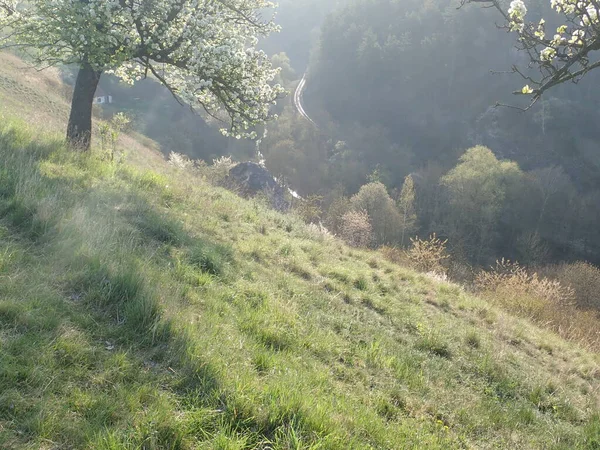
[
  {"x": 203, "y": 51},
  {"x": 564, "y": 54}
]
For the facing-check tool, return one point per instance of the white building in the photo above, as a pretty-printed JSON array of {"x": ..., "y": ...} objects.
[{"x": 101, "y": 97}]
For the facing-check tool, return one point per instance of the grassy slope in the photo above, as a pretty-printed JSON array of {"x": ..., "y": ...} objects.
[{"x": 147, "y": 309}]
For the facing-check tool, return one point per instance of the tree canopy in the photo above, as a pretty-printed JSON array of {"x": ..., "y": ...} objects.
[{"x": 202, "y": 50}]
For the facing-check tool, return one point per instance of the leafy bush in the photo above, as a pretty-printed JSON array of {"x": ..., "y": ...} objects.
[
  {"x": 356, "y": 229},
  {"x": 428, "y": 255},
  {"x": 583, "y": 278},
  {"x": 309, "y": 208},
  {"x": 374, "y": 199}
]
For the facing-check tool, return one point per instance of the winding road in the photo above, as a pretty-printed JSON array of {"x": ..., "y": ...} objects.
[{"x": 298, "y": 100}]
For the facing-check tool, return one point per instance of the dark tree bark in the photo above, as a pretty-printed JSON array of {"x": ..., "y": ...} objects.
[{"x": 79, "y": 129}]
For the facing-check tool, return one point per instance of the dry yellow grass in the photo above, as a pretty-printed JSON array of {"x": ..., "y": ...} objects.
[{"x": 545, "y": 301}]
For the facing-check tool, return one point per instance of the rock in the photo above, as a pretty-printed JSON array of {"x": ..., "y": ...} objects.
[{"x": 254, "y": 179}]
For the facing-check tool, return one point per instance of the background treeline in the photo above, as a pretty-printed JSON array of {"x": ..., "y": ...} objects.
[{"x": 404, "y": 89}]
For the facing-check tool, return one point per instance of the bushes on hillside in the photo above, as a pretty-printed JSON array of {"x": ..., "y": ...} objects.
[
  {"x": 547, "y": 302},
  {"x": 516, "y": 286},
  {"x": 428, "y": 255},
  {"x": 583, "y": 278},
  {"x": 356, "y": 229},
  {"x": 374, "y": 199}
]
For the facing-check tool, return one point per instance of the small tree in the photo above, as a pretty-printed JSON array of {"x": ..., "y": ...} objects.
[
  {"x": 203, "y": 51},
  {"x": 428, "y": 255},
  {"x": 385, "y": 217},
  {"x": 110, "y": 131},
  {"x": 406, "y": 204},
  {"x": 356, "y": 229},
  {"x": 477, "y": 190}
]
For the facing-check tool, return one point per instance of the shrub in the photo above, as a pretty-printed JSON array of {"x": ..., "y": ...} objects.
[
  {"x": 109, "y": 133},
  {"x": 218, "y": 173},
  {"x": 374, "y": 199},
  {"x": 583, "y": 278},
  {"x": 309, "y": 208},
  {"x": 547, "y": 302},
  {"x": 335, "y": 213},
  {"x": 428, "y": 255},
  {"x": 180, "y": 161},
  {"x": 356, "y": 229},
  {"x": 318, "y": 231},
  {"x": 515, "y": 284}
]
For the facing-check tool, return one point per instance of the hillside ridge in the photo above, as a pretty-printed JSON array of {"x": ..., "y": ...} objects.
[{"x": 143, "y": 307}]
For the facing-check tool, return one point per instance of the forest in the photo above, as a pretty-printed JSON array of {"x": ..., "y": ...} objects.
[{"x": 411, "y": 89}]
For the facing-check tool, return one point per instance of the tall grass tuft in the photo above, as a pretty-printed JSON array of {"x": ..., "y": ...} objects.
[{"x": 210, "y": 258}]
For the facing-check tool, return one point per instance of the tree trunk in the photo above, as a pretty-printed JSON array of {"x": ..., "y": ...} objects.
[{"x": 79, "y": 129}]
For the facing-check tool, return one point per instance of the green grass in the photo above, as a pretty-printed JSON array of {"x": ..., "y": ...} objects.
[
  {"x": 150, "y": 310},
  {"x": 133, "y": 316}
]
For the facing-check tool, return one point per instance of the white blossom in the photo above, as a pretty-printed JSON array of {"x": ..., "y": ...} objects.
[
  {"x": 517, "y": 9},
  {"x": 577, "y": 37},
  {"x": 547, "y": 54},
  {"x": 517, "y": 12},
  {"x": 199, "y": 48}
]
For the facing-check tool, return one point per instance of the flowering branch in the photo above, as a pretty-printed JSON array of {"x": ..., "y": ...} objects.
[
  {"x": 204, "y": 51},
  {"x": 567, "y": 54}
]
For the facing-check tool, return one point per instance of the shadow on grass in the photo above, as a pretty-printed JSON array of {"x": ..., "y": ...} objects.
[{"x": 89, "y": 358}]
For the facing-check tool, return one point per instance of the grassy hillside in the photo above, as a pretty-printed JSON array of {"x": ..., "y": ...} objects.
[
  {"x": 40, "y": 98},
  {"x": 149, "y": 309}
]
